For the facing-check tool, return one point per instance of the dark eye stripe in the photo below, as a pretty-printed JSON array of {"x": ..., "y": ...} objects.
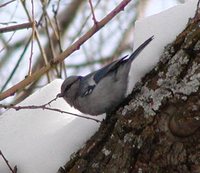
[{"x": 69, "y": 86}]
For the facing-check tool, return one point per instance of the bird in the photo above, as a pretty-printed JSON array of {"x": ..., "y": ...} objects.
[{"x": 101, "y": 91}]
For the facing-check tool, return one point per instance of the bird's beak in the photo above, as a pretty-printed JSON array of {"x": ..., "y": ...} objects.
[{"x": 59, "y": 95}]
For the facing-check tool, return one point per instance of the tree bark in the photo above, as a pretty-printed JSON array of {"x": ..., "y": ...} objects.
[{"x": 158, "y": 128}]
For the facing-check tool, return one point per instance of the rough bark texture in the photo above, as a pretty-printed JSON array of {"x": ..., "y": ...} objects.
[{"x": 158, "y": 129}]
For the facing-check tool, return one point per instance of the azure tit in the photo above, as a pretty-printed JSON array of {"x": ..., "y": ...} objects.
[{"x": 102, "y": 90}]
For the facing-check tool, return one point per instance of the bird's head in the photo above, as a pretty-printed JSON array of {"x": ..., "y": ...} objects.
[{"x": 69, "y": 88}]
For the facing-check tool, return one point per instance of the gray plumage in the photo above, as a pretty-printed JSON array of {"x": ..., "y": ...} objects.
[{"x": 103, "y": 90}]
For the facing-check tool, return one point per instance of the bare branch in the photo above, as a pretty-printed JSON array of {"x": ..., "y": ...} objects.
[
  {"x": 3, "y": 5},
  {"x": 13, "y": 170},
  {"x": 93, "y": 15},
  {"x": 57, "y": 29},
  {"x": 16, "y": 27},
  {"x": 33, "y": 35}
]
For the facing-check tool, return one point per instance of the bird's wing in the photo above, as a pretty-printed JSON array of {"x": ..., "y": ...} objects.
[
  {"x": 114, "y": 65},
  {"x": 93, "y": 79},
  {"x": 105, "y": 70}
]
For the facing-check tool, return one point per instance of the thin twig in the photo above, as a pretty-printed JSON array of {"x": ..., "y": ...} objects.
[
  {"x": 47, "y": 30},
  {"x": 93, "y": 15},
  {"x": 51, "y": 45},
  {"x": 6, "y": 3},
  {"x": 16, "y": 65},
  {"x": 31, "y": 55},
  {"x": 7, "y": 163},
  {"x": 57, "y": 29},
  {"x": 83, "y": 25},
  {"x": 37, "y": 38},
  {"x": 75, "y": 46},
  {"x": 6, "y": 42},
  {"x": 45, "y": 107},
  {"x": 32, "y": 40},
  {"x": 16, "y": 27},
  {"x": 58, "y": 37}
]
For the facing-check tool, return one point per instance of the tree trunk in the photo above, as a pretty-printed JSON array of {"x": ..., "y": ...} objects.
[{"x": 158, "y": 129}]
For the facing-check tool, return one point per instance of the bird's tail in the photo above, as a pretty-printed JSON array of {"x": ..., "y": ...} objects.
[{"x": 140, "y": 48}]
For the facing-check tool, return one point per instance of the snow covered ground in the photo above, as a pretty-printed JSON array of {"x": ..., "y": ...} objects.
[{"x": 40, "y": 141}]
